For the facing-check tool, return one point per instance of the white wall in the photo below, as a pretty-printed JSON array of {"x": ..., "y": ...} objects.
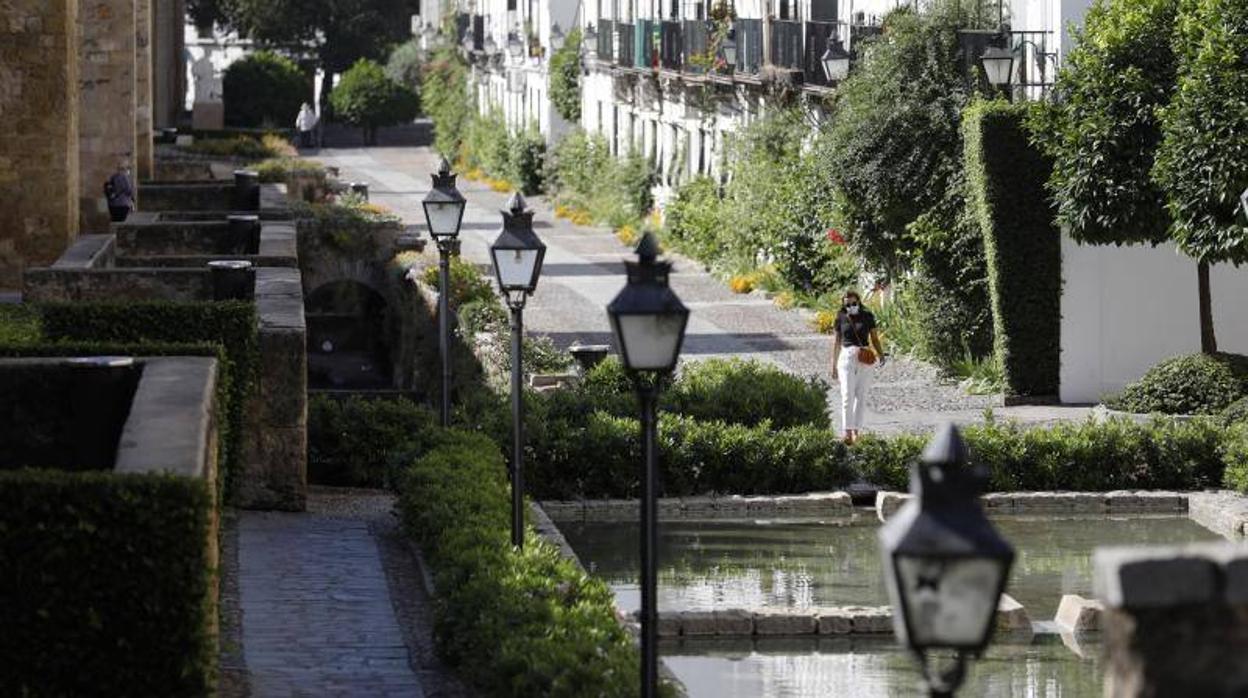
[{"x": 1126, "y": 308}]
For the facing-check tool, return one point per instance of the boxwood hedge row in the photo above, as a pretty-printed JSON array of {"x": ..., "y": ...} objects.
[{"x": 107, "y": 585}]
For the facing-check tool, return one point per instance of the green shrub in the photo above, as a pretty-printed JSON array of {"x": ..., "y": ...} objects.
[
  {"x": 1189, "y": 384},
  {"x": 264, "y": 89},
  {"x": 1236, "y": 412},
  {"x": 565, "y": 78},
  {"x": 526, "y": 161},
  {"x": 365, "y": 97},
  {"x": 748, "y": 392},
  {"x": 468, "y": 284},
  {"x": 106, "y": 587},
  {"x": 241, "y": 147},
  {"x": 444, "y": 84},
  {"x": 19, "y": 324},
  {"x": 1021, "y": 244},
  {"x": 352, "y": 442},
  {"x": 513, "y": 622},
  {"x": 1236, "y": 456},
  {"x": 405, "y": 65},
  {"x": 487, "y": 144},
  {"x": 695, "y": 220},
  {"x": 231, "y": 325},
  {"x": 584, "y": 174},
  {"x": 281, "y": 170}
]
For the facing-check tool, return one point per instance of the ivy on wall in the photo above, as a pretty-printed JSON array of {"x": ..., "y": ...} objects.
[{"x": 565, "y": 78}]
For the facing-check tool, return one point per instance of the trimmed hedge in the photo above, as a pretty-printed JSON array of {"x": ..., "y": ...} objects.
[
  {"x": 352, "y": 441},
  {"x": 1236, "y": 412},
  {"x": 1236, "y": 454},
  {"x": 1188, "y": 384},
  {"x": 107, "y": 586},
  {"x": 232, "y": 325},
  {"x": 264, "y": 89},
  {"x": 1005, "y": 176},
  {"x": 515, "y": 623}
]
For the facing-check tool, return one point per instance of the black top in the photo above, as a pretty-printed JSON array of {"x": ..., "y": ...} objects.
[{"x": 855, "y": 330}]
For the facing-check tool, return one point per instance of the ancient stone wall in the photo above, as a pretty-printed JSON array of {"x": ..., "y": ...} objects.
[
  {"x": 107, "y": 102},
  {"x": 39, "y": 149},
  {"x": 168, "y": 63},
  {"x": 144, "y": 158}
]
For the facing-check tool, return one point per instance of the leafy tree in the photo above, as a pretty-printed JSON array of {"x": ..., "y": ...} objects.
[
  {"x": 565, "y": 77},
  {"x": 365, "y": 97},
  {"x": 1148, "y": 140},
  {"x": 339, "y": 31},
  {"x": 1202, "y": 163},
  {"x": 264, "y": 89},
  {"x": 444, "y": 82},
  {"x": 894, "y": 142},
  {"x": 405, "y": 65}
]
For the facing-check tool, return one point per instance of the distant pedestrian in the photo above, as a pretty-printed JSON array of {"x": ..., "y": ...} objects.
[
  {"x": 119, "y": 190},
  {"x": 306, "y": 123},
  {"x": 856, "y": 352}
]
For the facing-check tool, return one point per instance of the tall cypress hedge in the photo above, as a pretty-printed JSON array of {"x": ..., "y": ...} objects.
[{"x": 1005, "y": 181}]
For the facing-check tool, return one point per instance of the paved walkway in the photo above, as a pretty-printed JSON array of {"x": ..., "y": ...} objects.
[
  {"x": 327, "y": 603},
  {"x": 583, "y": 272}
]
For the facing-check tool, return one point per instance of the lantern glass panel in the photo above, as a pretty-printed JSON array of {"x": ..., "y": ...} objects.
[
  {"x": 443, "y": 217},
  {"x": 835, "y": 68},
  {"x": 998, "y": 64},
  {"x": 515, "y": 269},
  {"x": 949, "y": 602},
  {"x": 650, "y": 342}
]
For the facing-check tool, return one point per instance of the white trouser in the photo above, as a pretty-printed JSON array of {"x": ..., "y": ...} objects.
[{"x": 855, "y": 384}]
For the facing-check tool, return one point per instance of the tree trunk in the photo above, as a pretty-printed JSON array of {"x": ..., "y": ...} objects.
[{"x": 1208, "y": 342}]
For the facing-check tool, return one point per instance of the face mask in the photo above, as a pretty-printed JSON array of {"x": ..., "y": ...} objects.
[{"x": 852, "y": 308}]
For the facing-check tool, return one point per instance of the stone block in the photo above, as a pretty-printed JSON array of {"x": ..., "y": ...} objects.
[
  {"x": 564, "y": 510},
  {"x": 670, "y": 508},
  {"x": 1154, "y": 577},
  {"x": 697, "y": 507},
  {"x": 669, "y": 624},
  {"x": 887, "y": 503},
  {"x": 1012, "y": 622},
  {"x": 697, "y": 623},
  {"x": 832, "y": 621},
  {"x": 283, "y": 377},
  {"x": 274, "y": 467},
  {"x": 824, "y": 504},
  {"x": 733, "y": 622},
  {"x": 1077, "y": 614},
  {"x": 870, "y": 620},
  {"x": 792, "y": 621},
  {"x": 998, "y": 503},
  {"x": 732, "y": 507},
  {"x": 612, "y": 510}
]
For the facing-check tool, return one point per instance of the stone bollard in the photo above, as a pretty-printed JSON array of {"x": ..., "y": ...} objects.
[
  {"x": 104, "y": 385},
  {"x": 246, "y": 190},
  {"x": 244, "y": 233},
  {"x": 361, "y": 189},
  {"x": 1176, "y": 619},
  {"x": 232, "y": 280},
  {"x": 588, "y": 356}
]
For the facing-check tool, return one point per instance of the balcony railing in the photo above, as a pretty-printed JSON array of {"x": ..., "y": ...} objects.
[
  {"x": 644, "y": 55},
  {"x": 671, "y": 49},
  {"x": 462, "y": 24},
  {"x": 478, "y": 33},
  {"x": 627, "y": 44},
  {"x": 606, "y": 40},
  {"x": 817, "y": 34},
  {"x": 696, "y": 39},
  {"x": 749, "y": 34},
  {"x": 786, "y": 44}
]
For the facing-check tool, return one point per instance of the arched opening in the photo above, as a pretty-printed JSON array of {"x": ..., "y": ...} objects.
[{"x": 348, "y": 338}]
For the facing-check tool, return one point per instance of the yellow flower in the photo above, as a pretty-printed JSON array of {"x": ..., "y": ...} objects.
[
  {"x": 785, "y": 299},
  {"x": 741, "y": 283},
  {"x": 825, "y": 322}
]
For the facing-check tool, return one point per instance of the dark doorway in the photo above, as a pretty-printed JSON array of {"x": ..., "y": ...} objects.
[{"x": 348, "y": 341}]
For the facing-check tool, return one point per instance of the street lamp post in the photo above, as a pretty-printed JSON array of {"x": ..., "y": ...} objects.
[
  {"x": 729, "y": 47},
  {"x": 648, "y": 321},
  {"x": 835, "y": 60},
  {"x": 444, "y": 213},
  {"x": 517, "y": 253},
  {"x": 945, "y": 565}
]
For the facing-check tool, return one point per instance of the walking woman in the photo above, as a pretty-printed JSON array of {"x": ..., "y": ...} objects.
[{"x": 856, "y": 353}]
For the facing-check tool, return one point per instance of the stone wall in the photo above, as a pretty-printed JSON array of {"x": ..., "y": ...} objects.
[
  {"x": 168, "y": 63},
  {"x": 39, "y": 149},
  {"x": 144, "y": 163},
  {"x": 107, "y": 102}
]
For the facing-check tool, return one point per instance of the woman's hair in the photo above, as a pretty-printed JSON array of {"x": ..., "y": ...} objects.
[{"x": 850, "y": 294}]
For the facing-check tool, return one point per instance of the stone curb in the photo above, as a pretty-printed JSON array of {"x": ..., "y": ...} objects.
[
  {"x": 1116, "y": 502},
  {"x": 816, "y": 504},
  {"x": 1223, "y": 512}
]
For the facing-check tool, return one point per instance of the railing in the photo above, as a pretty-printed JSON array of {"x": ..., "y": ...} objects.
[
  {"x": 697, "y": 39},
  {"x": 749, "y": 35},
  {"x": 817, "y": 34},
  {"x": 786, "y": 44},
  {"x": 462, "y": 24},
  {"x": 643, "y": 44},
  {"x": 671, "y": 50},
  {"x": 606, "y": 39},
  {"x": 627, "y": 44}
]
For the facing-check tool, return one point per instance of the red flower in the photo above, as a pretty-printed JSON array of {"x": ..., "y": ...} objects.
[{"x": 835, "y": 237}]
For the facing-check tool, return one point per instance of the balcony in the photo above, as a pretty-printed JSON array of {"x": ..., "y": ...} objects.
[
  {"x": 671, "y": 49},
  {"x": 606, "y": 40},
  {"x": 786, "y": 45},
  {"x": 817, "y": 34},
  {"x": 626, "y": 45},
  {"x": 749, "y": 33},
  {"x": 696, "y": 42},
  {"x": 644, "y": 55},
  {"x": 478, "y": 33}
]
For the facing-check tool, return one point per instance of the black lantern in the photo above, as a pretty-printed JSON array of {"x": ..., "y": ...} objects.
[
  {"x": 556, "y": 37},
  {"x": 729, "y": 47},
  {"x": 998, "y": 65},
  {"x": 945, "y": 565},
  {"x": 517, "y": 253},
  {"x": 514, "y": 46},
  {"x": 444, "y": 205},
  {"x": 1243, "y": 203},
  {"x": 491, "y": 46},
  {"x": 835, "y": 60},
  {"x": 647, "y": 318},
  {"x": 649, "y": 324}
]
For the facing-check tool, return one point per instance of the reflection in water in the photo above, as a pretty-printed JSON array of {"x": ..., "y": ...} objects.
[
  {"x": 867, "y": 669},
  {"x": 736, "y": 564}
]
